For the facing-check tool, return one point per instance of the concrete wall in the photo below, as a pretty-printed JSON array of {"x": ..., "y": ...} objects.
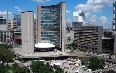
[
  {"x": 38, "y": 24},
  {"x": 100, "y": 29},
  {"x": 27, "y": 32},
  {"x": 63, "y": 24}
]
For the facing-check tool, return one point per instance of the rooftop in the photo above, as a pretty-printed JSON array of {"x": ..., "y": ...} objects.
[{"x": 44, "y": 45}]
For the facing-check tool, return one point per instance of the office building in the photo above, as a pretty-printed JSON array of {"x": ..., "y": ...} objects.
[
  {"x": 114, "y": 25},
  {"x": 5, "y": 35},
  {"x": 17, "y": 18},
  {"x": 27, "y": 31},
  {"x": 114, "y": 17},
  {"x": 78, "y": 19},
  {"x": 89, "y": 37},
  {"x": 3, "y": 29},
  {"x": 51, "y": 23}
]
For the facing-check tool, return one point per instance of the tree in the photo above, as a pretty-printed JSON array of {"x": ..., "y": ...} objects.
[
  {"x": 24, "y": 70},
  {"x": 40, "y": 67},
  {"x": 16, "y": 68},
  {"x": 5, "y": 54},
  {"x": 37, "y": 67},
  {"x": 5, "y": 46},
  {"x": 109, "y": 52},
  {"x": 59, "y": 70},
  {"x": 96, "y": 63},
  {"x": 49, "y": 68},
  {"x": 2, "y": 68}
]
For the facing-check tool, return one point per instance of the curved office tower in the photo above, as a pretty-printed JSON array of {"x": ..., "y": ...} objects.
[
  {"x": 51, "y": 21},
  {"x": 27, "y": 32},
  {"x": 78, "y": 19}
]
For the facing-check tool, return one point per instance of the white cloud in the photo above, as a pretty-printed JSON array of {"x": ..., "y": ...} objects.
[
  {"x": 69, "y": 21},
  {"x": 100, "y": 2},
  {"x": 104, "y": 19},
  {"x": 91, "y": 17},
  {"x": 89, "y": 8},
  {"x": 94, "y": 5},
  {"x": 4, "y": 12},
  {"x": 18, "y": 9},
  {"x": 41, "y": 0},
  {"x": 67, "y": 11}
]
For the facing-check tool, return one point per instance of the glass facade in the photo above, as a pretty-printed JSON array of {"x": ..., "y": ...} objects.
[
  {"x": 50, "y": 24},
  {"x": 2, "y": 21}
]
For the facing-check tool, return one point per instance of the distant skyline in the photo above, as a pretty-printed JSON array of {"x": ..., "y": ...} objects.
[{"x": 97, "y": 11}]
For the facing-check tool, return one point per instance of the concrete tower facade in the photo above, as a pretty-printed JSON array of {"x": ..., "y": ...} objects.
[
  {"x": 27, "y": 32},
  {"x": 51, "y": 23}
]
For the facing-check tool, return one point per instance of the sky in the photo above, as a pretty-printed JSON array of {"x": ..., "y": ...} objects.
[{"x": 99, "y": 12}]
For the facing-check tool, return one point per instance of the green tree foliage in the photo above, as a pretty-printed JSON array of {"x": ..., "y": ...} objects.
[
  {"x": 59, "y": 70},
  {"x": 14, "y": 69},
  {"x": 85, "y": 61},
  {"x": 108, "y": 52},
  {"x": 24, "y": 70},
  {"x": 6, "y": 55},
  {"x": 5, "y": 46},
  {"x": 72, "y": 46},
  {"x": 40, "y": 67},
  {"x": 49, "y": 68},
  {"x": 2, "y": 68},
  {"x": 96, "y": 63}
]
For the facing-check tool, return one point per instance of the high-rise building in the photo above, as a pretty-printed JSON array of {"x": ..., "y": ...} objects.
[
  {"x": 27, "y": 32},
  {"x": 114, "y": 25},
  {"x": 89, "y": 37},
  {"x": 17, "y": 17},
  {"x": 78, "y": 19},
  {"x": 114, "y": 17},
  {"x": 51, "y": 23}
]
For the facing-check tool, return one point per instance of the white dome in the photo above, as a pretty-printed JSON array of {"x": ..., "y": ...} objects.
[{"x": 44, "y": 45}]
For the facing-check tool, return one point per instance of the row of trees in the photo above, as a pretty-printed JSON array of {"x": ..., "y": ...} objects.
[
  {"x": 13, "y": 69},
  {"x": 40, "y": 67}
]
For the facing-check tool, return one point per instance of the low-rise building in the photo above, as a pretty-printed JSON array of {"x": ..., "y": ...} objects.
[{"x": 88, "y": 37}]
